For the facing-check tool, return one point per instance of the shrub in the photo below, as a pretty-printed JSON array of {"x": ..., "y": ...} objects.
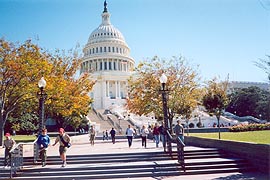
[
  {"x": 199, "y": 124},
  {"x": 249, "y": 127},
  {"x": 191, "y": 125}
]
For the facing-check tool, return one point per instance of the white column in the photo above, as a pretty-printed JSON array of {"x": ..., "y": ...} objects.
[
  {"x": 108, "y": 89},
  {"x": 116, "y": 64},
  {"x": 116, "y": 89},
  {"x": 104, "y": 94},
  {"x": 119, "y": 89}
]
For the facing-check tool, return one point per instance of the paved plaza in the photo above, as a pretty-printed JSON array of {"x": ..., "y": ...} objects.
[{"x": 81, "y": 146}]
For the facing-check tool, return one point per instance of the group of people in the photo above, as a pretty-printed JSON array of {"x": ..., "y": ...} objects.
[
  {"x": 43, "y": 142},
  {"x": 92, "y": 135},
  {"x": 159, "y": 134}
]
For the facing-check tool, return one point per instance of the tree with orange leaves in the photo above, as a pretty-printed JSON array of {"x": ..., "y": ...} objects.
[{"x": 21, "y": 67}]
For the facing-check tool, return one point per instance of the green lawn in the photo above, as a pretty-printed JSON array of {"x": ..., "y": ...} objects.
[
  {"x": 24, "y": 138},
  {"x": 260, "y": 137}
]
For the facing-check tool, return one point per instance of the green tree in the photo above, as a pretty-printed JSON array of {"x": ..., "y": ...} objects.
[
  {"x": 215, "y": 99},
  {"x": 251, "y": 101},
  {"x": 25, "y": 123},
  {"x": 144, "y": 88}
]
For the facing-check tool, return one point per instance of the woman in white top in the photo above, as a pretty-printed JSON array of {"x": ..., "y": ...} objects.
[{"x": 144, "y": 133}]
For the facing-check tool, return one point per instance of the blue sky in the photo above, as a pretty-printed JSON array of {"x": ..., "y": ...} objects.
[{"x": 221, "y": 36}]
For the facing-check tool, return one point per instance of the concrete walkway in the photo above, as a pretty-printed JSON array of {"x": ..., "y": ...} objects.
[{"x": 81, "y": 145}]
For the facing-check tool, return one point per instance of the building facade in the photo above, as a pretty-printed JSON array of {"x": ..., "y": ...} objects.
[{"x": 107, "y": 58}]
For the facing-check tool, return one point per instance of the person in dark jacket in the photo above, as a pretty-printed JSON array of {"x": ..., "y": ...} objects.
[
  {"x": 9, "y": 143},
  {"x": 113, "y": 132},
  {"x": 43, "y": 142}
]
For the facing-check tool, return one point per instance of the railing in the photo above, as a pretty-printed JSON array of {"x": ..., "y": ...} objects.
[
  {"x": 180, "y": 152},
  {"x": 180, "y": 149},
  {"x": 16, "y": 160},
  {"x": 35, "y": 151},
  {"x": 100, "y": 116},
  {"x": 94, "y": 110},
  {"x": 110, "y": 121}
]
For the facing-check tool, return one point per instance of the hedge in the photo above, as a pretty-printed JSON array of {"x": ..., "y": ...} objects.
[{"x": 249, "y": 127}]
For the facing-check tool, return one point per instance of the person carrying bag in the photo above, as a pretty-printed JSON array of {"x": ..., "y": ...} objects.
[{"x": 64, "y": 140}]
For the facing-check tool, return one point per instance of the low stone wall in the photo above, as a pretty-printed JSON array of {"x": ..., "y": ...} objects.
[
  {"x": 257, "y": 154},
  {"x": 206, "y": 130}
]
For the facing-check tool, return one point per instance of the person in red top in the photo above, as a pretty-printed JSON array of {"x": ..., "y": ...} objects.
[
  {"x": 9, "y": 143},
  {"x": 64, "y": 141},
  {"x": 156, "y": 134}
]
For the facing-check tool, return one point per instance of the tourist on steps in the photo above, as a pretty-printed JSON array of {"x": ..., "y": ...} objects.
[
  {"x": 43, "y": 142},
  {"x": 64, "y": 140},
  {"x": 130, "y": 133}
]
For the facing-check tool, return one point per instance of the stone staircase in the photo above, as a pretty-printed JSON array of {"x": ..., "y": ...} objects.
[{"x": 154, "y": 164}]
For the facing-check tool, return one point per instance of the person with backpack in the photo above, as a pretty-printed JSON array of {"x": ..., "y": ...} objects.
[{"x": 64, "y": 141}]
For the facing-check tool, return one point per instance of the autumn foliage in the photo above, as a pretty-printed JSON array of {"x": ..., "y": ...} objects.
[
  {"x": 182, "y": 88},
  {"x": 21, "y": 67}
]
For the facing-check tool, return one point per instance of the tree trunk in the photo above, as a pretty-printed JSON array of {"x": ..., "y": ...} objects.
[
  {"x": 1, "y": 132},
  {"x": 3, "y": 118}
]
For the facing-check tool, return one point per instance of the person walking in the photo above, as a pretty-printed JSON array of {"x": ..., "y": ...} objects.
[
  {"x": 106, "y": 135},
  {"x": 130, "y": 133},
  {"x": 162, "y": 132},
  {"x": 103, "y": 135},
  {"x": 179, "y": 130},
  {"x": 156, "y": 134},
  {"x": 92, "y": 134},
  {"x": 9, "y": 143},
  {"x": 112, "y": 133},
  {"x": 64, "y": 141},
  {"x": 144, "y": 133},
  {"x": 43, "y": 142}
]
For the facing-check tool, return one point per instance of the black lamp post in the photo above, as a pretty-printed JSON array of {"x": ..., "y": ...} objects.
[
  {"x": 42, "y": 96},
  {"x": 218, "y": 113},
  {"x": 163, "y": 81}
]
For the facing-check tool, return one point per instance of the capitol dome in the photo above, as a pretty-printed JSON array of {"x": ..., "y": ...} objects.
[
  {"x": 106, "y": 32},
  {"x": 107, "y": 58}
]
